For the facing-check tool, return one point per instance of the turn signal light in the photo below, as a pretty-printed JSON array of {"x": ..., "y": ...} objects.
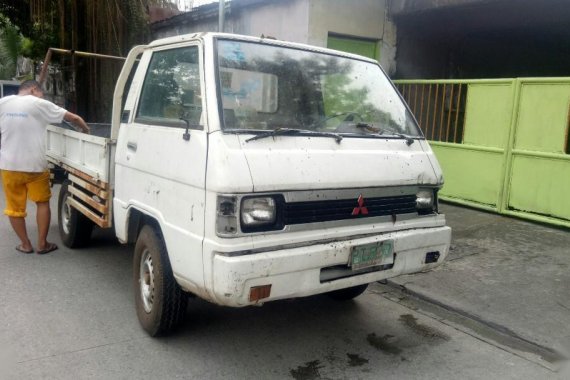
[{"x": 259, "y": 292}]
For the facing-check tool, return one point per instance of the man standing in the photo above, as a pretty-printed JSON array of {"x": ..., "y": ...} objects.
[{"x": 23, "y": 165}]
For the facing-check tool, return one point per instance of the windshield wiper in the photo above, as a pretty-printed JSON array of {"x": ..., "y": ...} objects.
[
  {"x": 275, "y": 132},
  {"x": 409, "y": 139},
  {"x": 291, "y": 131}
]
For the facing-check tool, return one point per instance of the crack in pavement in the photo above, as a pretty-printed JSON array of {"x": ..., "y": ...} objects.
[{"x": 79, "y": 350}]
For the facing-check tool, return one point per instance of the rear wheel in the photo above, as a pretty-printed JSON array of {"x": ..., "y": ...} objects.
[
  {"x": 160, "y": 302},
  {"x": 348, "y": 293},
  {"x": 74, "y": 228}
]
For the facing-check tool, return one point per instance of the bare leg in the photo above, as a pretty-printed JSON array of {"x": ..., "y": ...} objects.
[
  {"x": 43, "y": 218},
  {"x": 19, "y": 226}
]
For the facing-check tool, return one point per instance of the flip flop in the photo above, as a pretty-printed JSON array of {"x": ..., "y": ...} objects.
[
  {"x": 50, "y": 247},
  {"x": 22, "y": 250}
]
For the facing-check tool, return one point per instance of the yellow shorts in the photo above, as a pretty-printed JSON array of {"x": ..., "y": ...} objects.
[{"x": 19, "y": 186}]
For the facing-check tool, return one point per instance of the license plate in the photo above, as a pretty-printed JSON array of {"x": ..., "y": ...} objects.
[{"x": 369, "y": 255}]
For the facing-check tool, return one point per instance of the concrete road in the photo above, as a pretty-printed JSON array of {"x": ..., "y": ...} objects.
[
  {"x": 70, "y": 315},
  {"x": 508, "y": 273}
]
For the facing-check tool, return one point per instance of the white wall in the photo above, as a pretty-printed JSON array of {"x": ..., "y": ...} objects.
[
  {"x": 359, "y": 18},
  {"x": 356, "y": 18},
  {"x": 284, "y": 20}
]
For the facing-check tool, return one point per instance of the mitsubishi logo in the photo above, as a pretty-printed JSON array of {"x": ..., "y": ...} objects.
[{"x": 360, "y": 209}]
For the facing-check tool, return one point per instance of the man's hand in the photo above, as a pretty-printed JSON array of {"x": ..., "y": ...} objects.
[{"x": 77, "y": 120}]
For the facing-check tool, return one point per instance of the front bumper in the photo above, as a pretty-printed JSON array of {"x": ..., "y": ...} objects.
[{"x": 298, "y": 271}]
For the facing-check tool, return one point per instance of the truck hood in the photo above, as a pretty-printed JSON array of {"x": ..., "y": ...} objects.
[{"x": 304, "y": 163}]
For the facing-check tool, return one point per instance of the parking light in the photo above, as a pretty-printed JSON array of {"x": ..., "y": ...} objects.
[{"x": 226, "y": 218}]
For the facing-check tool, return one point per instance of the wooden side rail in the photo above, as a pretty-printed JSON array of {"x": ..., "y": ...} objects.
[{"x": 90, "y": 196}]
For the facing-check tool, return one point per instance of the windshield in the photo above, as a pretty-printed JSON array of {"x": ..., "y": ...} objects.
[{"x": 264, "y": 88}]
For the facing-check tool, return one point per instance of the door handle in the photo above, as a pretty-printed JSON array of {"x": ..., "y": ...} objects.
[{"x": 132, "y": 146}]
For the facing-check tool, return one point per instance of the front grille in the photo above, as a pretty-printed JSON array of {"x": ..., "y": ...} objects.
[{"x": 326, "y": 211}]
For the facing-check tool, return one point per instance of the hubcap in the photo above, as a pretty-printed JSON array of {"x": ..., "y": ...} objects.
[
  {"x": 146, "y": 281},
  {"x": 65, "y": 216}
]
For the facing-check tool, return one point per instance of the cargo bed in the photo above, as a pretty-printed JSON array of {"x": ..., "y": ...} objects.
[{"x": 87, "y": 161}]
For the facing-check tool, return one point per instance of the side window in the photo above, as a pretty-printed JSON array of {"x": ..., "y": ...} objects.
[{"x": 171, "y": 89}]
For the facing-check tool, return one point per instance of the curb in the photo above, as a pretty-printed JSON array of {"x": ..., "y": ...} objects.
[{"x": 487, "y": 329}]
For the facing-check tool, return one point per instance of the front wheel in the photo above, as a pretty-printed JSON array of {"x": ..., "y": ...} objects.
[
  {"x": 74, "y": 227},
  {"x": 160, "y": 302},
  {"x": 348, "y": 293}
]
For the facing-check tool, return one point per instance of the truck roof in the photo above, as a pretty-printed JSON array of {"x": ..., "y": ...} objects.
[{"x": 265, "y": 40}]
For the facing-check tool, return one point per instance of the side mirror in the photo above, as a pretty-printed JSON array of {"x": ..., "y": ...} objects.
[{"x": 186, "y": 135}]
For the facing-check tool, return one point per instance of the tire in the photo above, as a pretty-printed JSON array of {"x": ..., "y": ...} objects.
[
  {"x": 74, "y": 227},
  {"x": 348, "y": 293},
  {"x": 160, "y": 302}
]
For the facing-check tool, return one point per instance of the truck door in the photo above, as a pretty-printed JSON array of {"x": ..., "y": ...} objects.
[{"x": 161, "y": 154}]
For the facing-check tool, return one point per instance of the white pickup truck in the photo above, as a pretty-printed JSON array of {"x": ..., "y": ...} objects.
[{"x": 248, "y": 170}]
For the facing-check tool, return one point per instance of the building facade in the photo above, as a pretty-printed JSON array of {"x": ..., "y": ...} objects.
[{"x": 363, "y": 26}]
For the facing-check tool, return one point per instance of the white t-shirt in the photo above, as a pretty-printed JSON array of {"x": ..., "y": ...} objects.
[{"x": 23, "y": 121}]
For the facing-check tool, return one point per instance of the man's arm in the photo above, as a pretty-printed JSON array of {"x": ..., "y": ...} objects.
[{"x": 76, "y": 120}]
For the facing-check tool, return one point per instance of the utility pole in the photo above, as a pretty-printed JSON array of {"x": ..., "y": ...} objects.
[
  {"x": 221, "y": 16},
  {"x": 74, "y": 45}
]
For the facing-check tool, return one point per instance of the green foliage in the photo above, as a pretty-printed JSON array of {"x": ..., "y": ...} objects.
[
  {"x": 27, "y": 47},
  {"x": 41, "y": 38},
  {"x": 10, "y": 47},
  {"x": 15, "y": 13}
]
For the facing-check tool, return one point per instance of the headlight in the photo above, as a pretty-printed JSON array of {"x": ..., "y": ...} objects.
[
  {"x": 257, "y": 212},
  {"x": 237, "y": 214},
  {"x": 425, "y": 201}
]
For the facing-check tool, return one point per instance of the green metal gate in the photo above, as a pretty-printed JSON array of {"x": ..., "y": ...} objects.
[{"x": 503, "y": 144}]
